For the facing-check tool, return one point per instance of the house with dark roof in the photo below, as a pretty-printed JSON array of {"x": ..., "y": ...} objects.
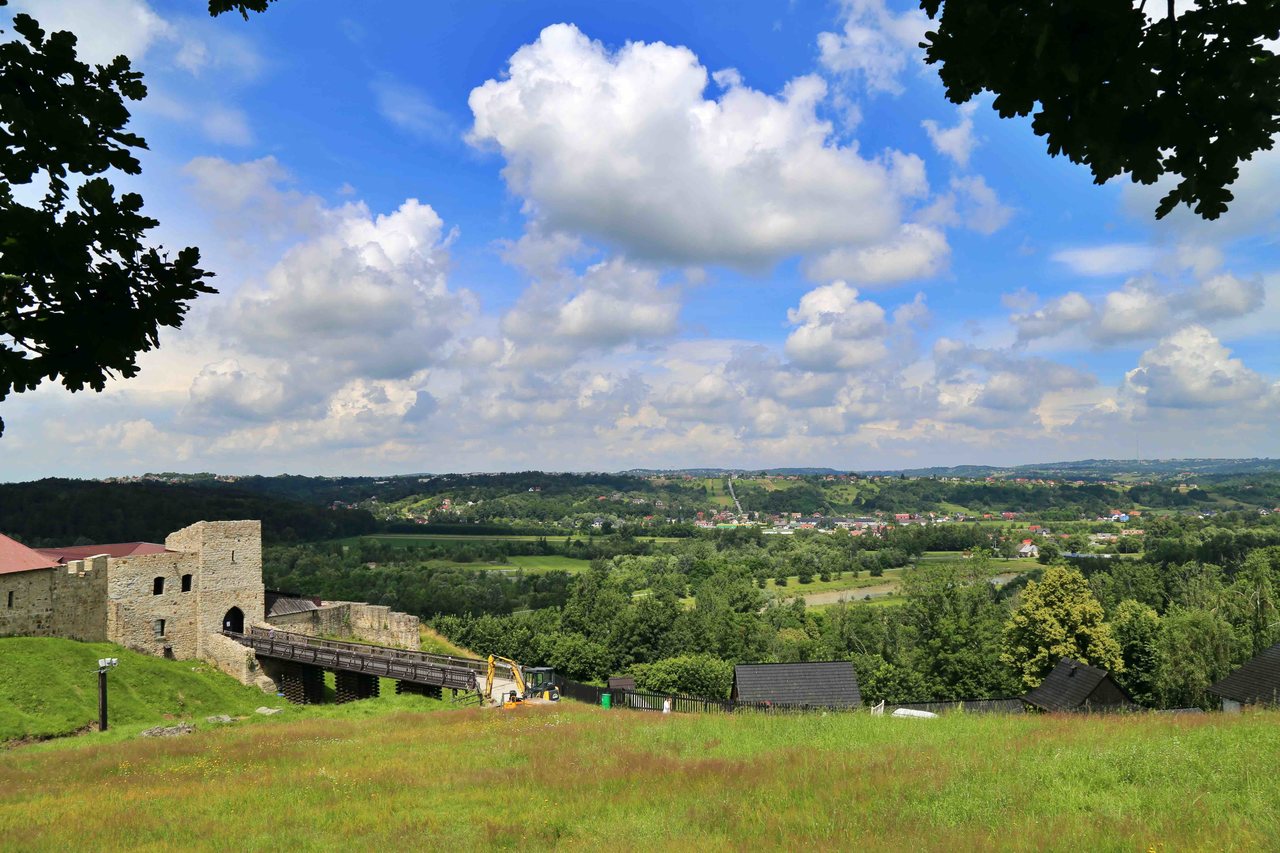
[
  {"x": 1257, "y": 682},
  {"x": 817, "y": 684},
  {"x": 1075, "y": 686}
]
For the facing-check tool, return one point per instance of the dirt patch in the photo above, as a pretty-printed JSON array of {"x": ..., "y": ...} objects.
[
  {"x": 836, "y": 596},
  {"x": 27, "y": 740}
]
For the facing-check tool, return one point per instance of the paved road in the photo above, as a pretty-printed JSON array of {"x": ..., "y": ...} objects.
[{"x": 732, "y": 495}]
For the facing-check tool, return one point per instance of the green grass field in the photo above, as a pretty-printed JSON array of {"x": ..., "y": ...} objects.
[
  {"x": 851, "y": 580},
  {"x": 49, "y": 690},
  {"x": 577, "y": 777},
  {"x": 551, "y": 563},
  {"x": 49, "y": 687},
  {"x": 717, "y": 492}
]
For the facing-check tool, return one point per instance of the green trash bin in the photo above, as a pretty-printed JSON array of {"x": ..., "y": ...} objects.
[{"x": 606, "y": 700}]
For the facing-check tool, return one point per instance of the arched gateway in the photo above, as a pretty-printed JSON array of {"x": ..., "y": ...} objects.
[{"x": 234, "y": 620}]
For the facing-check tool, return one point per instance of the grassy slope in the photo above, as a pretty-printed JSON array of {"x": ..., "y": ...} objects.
[
  {"x": 50, "y": 687},
  {"x": 575, "y": 776},
  {"x": 436, "y": 643}
]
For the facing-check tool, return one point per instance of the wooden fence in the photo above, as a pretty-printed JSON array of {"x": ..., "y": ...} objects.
[{"x": 641, "y": 700}]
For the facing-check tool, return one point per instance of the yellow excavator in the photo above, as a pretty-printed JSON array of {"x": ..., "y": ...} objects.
[{"x": 532, "y": 683}]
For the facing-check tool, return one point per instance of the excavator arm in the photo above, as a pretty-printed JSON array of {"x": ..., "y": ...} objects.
[{"x": 516, "y": 675}]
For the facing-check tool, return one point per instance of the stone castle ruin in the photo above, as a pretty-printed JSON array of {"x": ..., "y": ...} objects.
[{"x": 174, "y": 600}]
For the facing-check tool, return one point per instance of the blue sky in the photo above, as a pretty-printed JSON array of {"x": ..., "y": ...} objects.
[{"x": 600, "y": 236}]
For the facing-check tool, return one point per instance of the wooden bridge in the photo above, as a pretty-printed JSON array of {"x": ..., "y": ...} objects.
[{"x": 298, "y": 663}]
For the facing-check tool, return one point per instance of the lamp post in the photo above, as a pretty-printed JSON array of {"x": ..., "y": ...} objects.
[{"x": 103, "y": 665}]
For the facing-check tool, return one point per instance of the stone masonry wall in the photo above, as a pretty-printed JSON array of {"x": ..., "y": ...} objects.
[
  {"x": 370, "y": 623},
  {"x": 31, "y": 613},
  {"x": 67, "y": 601},
  {"x": 237, "y": 661},
  {"x": 135, "y": 612},
  {"x": 115, "y": 599},
  {"x": 379, "y": 624},
  {"x": 79, "y": 599},
  {"x": 229, "y": 554}
]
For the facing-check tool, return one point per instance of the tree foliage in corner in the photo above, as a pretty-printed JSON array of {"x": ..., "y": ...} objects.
[
  {"x": 1190, "y": 95},
  {"x": 244, "y": 7},
  {"x": 80, "y": 293}
]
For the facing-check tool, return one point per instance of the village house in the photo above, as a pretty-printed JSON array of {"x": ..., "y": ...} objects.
[
  {"x": 1075, "y": 686},
  {"x": 1257, "y": 682},
  {"x": 817, "y": 684}
]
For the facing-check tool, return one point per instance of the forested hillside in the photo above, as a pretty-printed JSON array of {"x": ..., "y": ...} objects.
[{"x": 69, "y": 512}]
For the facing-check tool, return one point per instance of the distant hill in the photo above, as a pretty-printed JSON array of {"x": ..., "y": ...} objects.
[
  {"x": 721, "y": 472},
  {"x": 1102, "y": 469},
  {"x": 83, "y": 512}
]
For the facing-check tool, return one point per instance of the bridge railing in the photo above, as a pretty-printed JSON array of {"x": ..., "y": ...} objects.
[
  {"x": 477, "y": 665},
  {"x": 353, "y": 657}
]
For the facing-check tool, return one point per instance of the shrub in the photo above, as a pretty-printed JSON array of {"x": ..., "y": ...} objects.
[{"x": 694, "y": 675}]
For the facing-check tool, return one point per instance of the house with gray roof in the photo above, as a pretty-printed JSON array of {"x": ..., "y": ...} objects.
[
  {"x": 1257, "y": 682},
  {"x": 1076, "y": 686},
  {"x": 816, "y": 684}
]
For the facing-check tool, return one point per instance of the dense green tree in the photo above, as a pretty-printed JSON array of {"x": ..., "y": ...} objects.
[
  {"x": 956, "y": 622},
  {"x": 880, "y": 680},
  {"x": 244, "y": 7},
  {"x": 725, "y": 620},
  {"x": 579, "y": 658},
  {"x": 1197, "y": 647},
  {"x": 1136, "y": 627},
  {"x": 1255, "y": 603},
  {"x": 1058, "y": 617},
  {"x": 690, "y": 675},
  {"x": 645, "y": 633}
]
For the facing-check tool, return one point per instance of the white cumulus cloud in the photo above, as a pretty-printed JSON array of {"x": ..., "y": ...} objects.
[
  {"x": 1191, "y": 369},
  {"x": 836, "y": 330},
  {"x": 875, "y": 44},
  {"x": 626, "y": 147}
]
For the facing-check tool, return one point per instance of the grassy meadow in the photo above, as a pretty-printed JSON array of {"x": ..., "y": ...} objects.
[
  {"x": 431, "y": 640},
  {"x": 575, "y": 776},
  {"x": 850, "y": 581},
  {"x": 49, "y": 688},
  {"x": 549, "y": 563}
]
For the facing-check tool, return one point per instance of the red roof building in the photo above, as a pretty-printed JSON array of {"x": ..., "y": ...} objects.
[
  {"x": 61, "y": 556},
  {"x": 16, "y": 557}
]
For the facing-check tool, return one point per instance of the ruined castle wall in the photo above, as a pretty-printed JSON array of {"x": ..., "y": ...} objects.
[
  {"x": 31, "y": 611},
  {"x": 80, "y": 600},
  {"x": 369, "y": 623},
  {"x": 64, "y": 601},
  {"x": 382, "y": 625},
  {"x": 237, "y": 661},
  {"x": 229, "y": 555},
  {"x": 134, "y": 613}
]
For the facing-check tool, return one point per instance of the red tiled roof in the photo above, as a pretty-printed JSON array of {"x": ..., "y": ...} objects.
[
  {"x": 115, "y": 549},
  {"x": 16, "y": 557}
]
